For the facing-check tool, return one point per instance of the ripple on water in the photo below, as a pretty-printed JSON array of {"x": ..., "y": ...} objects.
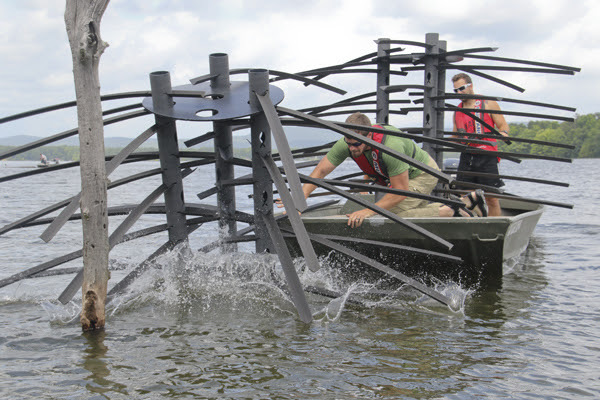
[{"x": 179, "y": 333}]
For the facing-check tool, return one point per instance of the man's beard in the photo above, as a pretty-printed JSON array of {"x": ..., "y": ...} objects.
[{"x": 356, "y": 153}]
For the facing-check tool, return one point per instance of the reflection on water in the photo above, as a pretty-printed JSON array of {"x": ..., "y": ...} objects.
[
  {"x": 516, "y": 290},
  {"x": 95, "y": 362}
]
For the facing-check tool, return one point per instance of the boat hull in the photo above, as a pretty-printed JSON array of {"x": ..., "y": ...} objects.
[{"x": 485, "y": 245}]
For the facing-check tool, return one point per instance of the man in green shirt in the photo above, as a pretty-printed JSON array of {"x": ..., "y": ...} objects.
[{"x": 390, "y": 171}]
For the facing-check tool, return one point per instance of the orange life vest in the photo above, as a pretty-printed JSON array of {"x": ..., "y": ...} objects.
[{"x": 377, "y": 170}]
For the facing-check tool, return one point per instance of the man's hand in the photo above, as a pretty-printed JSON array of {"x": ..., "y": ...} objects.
[
  {"x": 505, "y": 134},
  {"x": 357, "y": 217},
  {"x": 279, "y": 204}
]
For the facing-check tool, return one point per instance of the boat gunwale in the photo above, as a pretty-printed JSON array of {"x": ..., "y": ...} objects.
[{"x": 337, "y": 218}]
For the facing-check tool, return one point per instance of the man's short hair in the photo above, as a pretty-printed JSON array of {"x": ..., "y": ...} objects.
[
  {"x": 462, "y": 75},
  {"x": 359, "y": 119}
]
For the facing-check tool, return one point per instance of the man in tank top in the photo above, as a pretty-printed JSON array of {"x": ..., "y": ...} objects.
[{"x": 471, "y": 162}]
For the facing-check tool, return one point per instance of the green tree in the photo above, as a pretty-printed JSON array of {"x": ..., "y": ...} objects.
[
  {"x": 590, "y": 148},
  {"x": 583, "y": 134},
  {"x": 552, "y": 135}
]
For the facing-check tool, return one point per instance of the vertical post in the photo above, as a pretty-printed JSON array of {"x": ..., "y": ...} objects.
[
  {"x": 430, "y": 119},
  {"x": 260, "y": 134},
  {"x": 441, "y": 90},
  {"x": 223, "y": 142},
  {"x": 383, "y": 79},
  {"x": 82, "y": 20},
  {"x": 168, "y": 150}
]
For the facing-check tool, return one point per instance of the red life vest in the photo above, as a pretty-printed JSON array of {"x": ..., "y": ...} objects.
[
  {"x": 377, "y": 170},
  {"x": 463, "y": 121}
]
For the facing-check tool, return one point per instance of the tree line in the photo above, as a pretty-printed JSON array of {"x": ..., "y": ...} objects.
[{"x": 583, "y": 134}]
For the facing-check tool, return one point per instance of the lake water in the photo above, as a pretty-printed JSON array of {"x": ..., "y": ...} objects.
[{"x": 217, "y": 326}]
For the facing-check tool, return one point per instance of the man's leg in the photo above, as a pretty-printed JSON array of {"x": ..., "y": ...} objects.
[
  {"x": 490, "y": 165},
  {"x": 494, "y": 209},
  {"x": 422, "y": 184},
  {"x": 481, "y": 163}
]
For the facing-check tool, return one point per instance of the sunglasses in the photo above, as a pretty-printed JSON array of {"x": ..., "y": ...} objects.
[
  {"x": 462, "y": 88},
  {"x": 353, "y": 144}
]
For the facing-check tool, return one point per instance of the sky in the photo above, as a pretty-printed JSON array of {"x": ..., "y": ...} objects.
[{"x": 178, "y": 36}]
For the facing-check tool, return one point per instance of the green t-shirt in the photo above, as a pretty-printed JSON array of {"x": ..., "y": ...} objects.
[{"x": 339, "y": 152}]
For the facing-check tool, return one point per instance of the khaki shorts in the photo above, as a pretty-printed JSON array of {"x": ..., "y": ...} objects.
[{"x": 423, "y": 184}]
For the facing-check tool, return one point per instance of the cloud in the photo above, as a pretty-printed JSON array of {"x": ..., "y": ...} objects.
[{"x": 178, "y": 36}]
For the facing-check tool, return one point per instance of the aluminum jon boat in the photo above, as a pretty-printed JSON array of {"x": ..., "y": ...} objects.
[{"x": 486, "y": 245}]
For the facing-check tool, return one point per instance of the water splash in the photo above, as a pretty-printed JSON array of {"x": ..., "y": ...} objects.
[
  {"x": 332, "y": 311},
  {"x": 60, "y": 314},
  {"x": 212, "y": 284},
  {"x": 457, "y": 294}
]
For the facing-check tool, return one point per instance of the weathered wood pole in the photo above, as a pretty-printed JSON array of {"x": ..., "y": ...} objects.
[{"x": 82, "y": 20}]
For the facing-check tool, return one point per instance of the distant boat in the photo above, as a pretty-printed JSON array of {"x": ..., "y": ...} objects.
[
  {"x": 46, "y": 164},
  {"x": 451, "y": 163}
]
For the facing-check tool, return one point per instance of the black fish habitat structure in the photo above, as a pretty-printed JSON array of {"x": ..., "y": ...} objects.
[{"x": 249, "y": 98}]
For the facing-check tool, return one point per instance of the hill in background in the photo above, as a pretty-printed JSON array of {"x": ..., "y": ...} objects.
[
  {"x": 297, "y": 137},
  {"x": 117, "y": 142}
]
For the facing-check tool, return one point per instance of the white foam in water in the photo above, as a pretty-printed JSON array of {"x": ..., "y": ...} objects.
[
  {"x": 206, "y": 281},
  {"x": 255, "y": 283},
  {"x": 456, "y": 293},
  {"x": 452, "y": 290},
  {"x": 62, "y": 314},
  {"x": 333, "y": 310}
]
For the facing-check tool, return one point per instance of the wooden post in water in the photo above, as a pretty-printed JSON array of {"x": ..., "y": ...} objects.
[{"x": 82, "y": 20}]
